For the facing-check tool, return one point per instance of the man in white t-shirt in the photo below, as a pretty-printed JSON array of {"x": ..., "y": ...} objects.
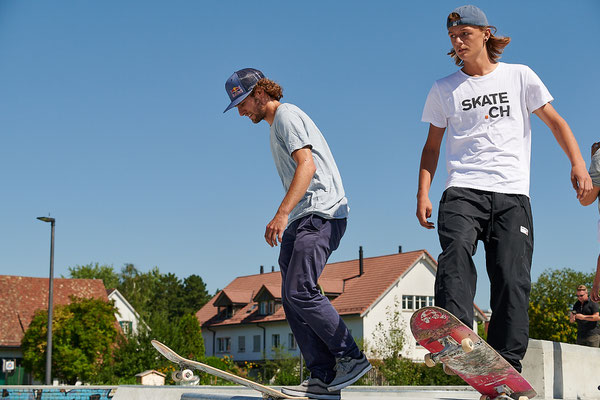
[{"x": 485, "y": 109}]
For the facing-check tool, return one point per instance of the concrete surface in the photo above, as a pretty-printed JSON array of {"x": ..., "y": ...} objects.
[
  {"x": 562, "y": 371},
  {"x": 555, "y": 370},
  {"x": 242, "y": 393}
]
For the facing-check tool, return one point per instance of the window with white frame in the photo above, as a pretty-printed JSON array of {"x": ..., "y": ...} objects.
[
  {"x": 223, "y": 345},
  {"x": 292, "y": 342},
  {"x": 126, "y": 326},
  {"x": 271, "y": 307},
  {"x": 262, "y": 308},
  {"x": 241, "y": 344},
  {"x": 412, "y": 302},
  {"x": 256, "y": 343},
  {"x": 275, "y": 341}
]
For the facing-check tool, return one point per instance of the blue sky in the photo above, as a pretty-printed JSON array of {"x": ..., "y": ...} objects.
[{"x": 111, "y": 121}]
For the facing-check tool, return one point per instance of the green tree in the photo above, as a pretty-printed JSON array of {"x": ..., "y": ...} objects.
[
  {"x": 96, "y": 271},
  {"x": 83, "y": 334},
  {"x": 132, "y": 354},
  {"x": 135, "y": 353},
  {"x": 195, "y": 293},
  {"x": 166, "y": 304},
  {"x": 552, "y": 297},
  {"x": 140, "y": 289}
]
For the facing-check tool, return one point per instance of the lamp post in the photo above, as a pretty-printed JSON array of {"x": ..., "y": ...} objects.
[{"x": 50, "y": 290}]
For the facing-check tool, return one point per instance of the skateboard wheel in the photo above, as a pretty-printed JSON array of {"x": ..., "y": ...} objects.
[
  {"x": 467, "y": 345},
  {"x": 429, "y": 361},
  {"x": 187, "y": 375},
  {"x": 523, "y": 398},
  {"x": 176, "y": 376}
]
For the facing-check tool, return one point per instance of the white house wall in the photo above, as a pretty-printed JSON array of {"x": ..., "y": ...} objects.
[
  {"x": 249, "y": 331},
  {"x": 419, "y": 281},
  {"x": 281, "y": 328},
  {"x": 125, "y": 312}
]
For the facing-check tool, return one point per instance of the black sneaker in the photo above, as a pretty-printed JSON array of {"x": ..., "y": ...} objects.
[
  {"x": 313, "y": 388},
  {"x": 349, "y": 370}
]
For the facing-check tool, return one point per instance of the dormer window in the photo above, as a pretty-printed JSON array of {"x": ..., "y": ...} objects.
[
  {"x": 262, "y": 308},
  {"x": 268, "y": 303}
]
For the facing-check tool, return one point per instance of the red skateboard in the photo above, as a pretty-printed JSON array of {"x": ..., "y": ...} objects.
[{"x": 467, "y": 355}]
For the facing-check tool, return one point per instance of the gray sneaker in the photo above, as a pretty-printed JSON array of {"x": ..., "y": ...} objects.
[
  {"x": 349, "y": 370},
  {"x": 313, "y": 388}
]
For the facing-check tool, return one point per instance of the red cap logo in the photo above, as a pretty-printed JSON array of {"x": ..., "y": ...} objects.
[{"x": 235, "y": 91}]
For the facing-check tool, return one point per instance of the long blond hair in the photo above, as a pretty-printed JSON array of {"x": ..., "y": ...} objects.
[{"x": 495, "y": 44}]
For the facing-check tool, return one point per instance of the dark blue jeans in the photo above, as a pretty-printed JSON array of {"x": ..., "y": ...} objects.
[{"x": 319, "y": 330}]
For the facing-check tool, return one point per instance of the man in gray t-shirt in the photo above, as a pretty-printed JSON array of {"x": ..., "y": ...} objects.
[{"x": 309, "y": 225}]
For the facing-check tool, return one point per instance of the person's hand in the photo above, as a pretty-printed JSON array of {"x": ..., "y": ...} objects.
[
  {"x": 275, "y": 229},
  {"x": 581, "y": 181},
  {"x": 595, "y": 148},
  {"x": 424, "y": 209}
]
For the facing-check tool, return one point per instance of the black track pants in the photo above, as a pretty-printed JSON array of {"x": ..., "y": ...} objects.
[{"x": 503, "y": 222}]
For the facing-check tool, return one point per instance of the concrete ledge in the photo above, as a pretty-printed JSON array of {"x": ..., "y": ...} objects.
[
  {"x": 243, "y": 393},
  {"x": 562, "y": 371}
]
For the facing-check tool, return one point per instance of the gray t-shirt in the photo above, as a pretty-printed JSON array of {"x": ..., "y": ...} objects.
[
  {"x": 595, "y": 170},
  {"x": 292, "y": 130}
]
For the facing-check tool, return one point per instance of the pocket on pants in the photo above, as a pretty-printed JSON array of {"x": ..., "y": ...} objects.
[{"x": 311, "y": 223}]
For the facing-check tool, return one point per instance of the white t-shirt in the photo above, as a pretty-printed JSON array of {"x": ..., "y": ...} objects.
[{"x": 488, "y": 143}]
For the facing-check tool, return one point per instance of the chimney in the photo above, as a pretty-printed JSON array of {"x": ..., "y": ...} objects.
[
  {"x": 262, "y": 269},
  {"x": 272, "y": 268},
  {"x": 360, "y": 261},
  {"x": 399, "y": 249}
]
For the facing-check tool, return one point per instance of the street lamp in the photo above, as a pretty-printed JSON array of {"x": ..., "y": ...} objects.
[{"x": 50, "y": 290}]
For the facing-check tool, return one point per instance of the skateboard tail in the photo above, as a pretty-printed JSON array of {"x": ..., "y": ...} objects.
[
  {"x": 481, "y": 366},
  {"x": 267, "y": 392}
]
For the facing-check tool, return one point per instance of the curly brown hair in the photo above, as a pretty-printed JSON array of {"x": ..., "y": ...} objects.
[
  {"x": 495, "y": 44},
  {"x": 271, "y": 88}
]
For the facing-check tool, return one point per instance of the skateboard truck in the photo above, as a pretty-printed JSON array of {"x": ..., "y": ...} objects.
[
  {"x": 451, "y": 347},
  {"x": 504, "y": 393},
  {"x": 184, "y": 377}
]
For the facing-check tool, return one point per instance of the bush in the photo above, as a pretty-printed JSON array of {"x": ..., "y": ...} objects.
[{"x": 404, "y": 372}]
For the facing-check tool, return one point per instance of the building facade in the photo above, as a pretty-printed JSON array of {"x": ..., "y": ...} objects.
[{"x": 373, "y": 295}]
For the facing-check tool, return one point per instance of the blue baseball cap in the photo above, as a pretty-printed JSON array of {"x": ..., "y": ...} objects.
[
  {"x": 240, "y": 85},
  {"x": 469, "y": 15}
]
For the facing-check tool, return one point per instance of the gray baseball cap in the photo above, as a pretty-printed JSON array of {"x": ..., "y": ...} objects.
[{"x": 469, "y": 15}]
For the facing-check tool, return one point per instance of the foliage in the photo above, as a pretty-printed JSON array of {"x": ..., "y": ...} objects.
[
  {"x": 389, "y": 366},
  {"x": 284, "y": 369},
  {"x": 166, "y": 305},
  {"x": 552, "y": 297},
  {"x": 389, "y": 337},
  {"x": 135, "y": 353},
  {"x": 96, "y": 271},
  {"x": 83, "y": 333},
  {"x": 481, "y": 330},
  {"x": 150, "y": 291},
  {"x": 404, "y": 372}
]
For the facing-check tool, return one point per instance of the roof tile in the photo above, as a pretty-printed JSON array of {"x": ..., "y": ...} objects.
[{"x": 23, "y": 296}]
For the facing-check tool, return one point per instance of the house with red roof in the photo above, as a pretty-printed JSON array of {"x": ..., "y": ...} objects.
[
  {"x": 246, "y": 319},
  {"x": 22, "y": 296}
]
